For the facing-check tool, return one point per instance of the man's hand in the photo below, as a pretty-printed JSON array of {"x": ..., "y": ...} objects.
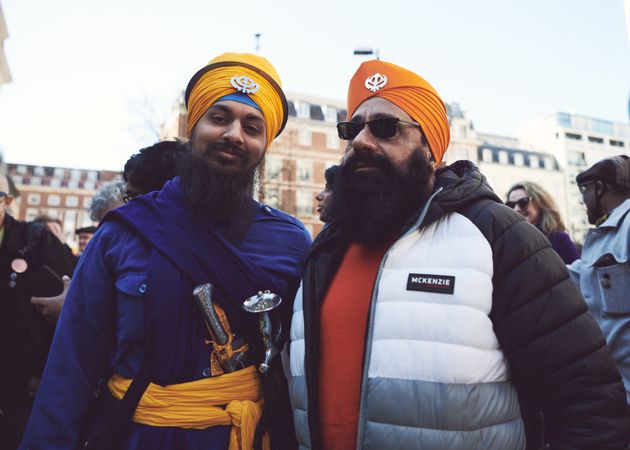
[{"x": 50, "y": 307}]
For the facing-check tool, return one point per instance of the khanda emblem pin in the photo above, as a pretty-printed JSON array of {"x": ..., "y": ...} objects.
[
  {"x": 244, "y": 84},
  {"x": 376, "y": 82}
]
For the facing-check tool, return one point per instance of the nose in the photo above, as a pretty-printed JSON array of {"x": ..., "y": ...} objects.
[
  {"x": 364, "y": 141},
  {"x": 320, "y": 196},
  {"x": 233, "y": 133}
]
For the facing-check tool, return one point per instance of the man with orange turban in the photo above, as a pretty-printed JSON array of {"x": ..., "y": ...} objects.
[
  {"x": 156, "y": 309},
  {"x": 431, "y": 315}
]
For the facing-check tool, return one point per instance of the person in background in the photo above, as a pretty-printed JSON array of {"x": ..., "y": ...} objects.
[
  {"x": 431, "y": 315},
  {"x": 56, "y": 227},
  {"x": 109, "y": 196},
  {"x": 25, "y": 333},
  {"x": 84, "y": 235},
  {"x": 148, "y": 170},
  {"x": 324, "y": 197},
  {"x": 531, "y": 201},
  {"x": 603, "y": 271}
]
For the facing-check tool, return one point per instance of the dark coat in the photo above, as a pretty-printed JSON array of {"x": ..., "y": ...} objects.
[
  {"x": 25, "y": 335},
  {"x": 570, "y": 390}
]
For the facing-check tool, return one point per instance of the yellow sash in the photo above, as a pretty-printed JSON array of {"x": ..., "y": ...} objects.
[{"x": 197, "y": 404}]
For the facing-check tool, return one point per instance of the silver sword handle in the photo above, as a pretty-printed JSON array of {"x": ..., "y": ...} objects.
[{"x": 203, "y": 296}]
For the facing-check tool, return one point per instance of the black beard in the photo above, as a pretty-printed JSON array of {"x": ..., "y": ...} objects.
[
  {"x": 212, "y": 192},
  {"x": 372, "y": 206}
]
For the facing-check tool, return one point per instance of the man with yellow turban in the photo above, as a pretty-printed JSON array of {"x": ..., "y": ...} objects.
[
  {"x": 161, "y": 317},
  {"x": 430, "y": 315}
]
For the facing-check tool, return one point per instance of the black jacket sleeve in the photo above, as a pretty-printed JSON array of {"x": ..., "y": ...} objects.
[
  {"x": 558, "y": 358},
  {"x": 52, "y": 252}
]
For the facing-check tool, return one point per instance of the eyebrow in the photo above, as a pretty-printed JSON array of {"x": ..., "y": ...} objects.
[
  {"x": 227, "y": 110},
  {"x": 378, "y": 115}
]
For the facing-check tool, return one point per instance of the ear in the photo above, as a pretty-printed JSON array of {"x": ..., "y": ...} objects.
[
  {"x": 600, "y": 189},
  {"x": 8, "y": 200}
]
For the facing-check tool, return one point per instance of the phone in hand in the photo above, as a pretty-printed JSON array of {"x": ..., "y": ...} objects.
[{"x": 45, "y": 282}]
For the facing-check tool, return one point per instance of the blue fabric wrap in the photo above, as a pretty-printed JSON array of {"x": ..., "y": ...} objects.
[
  {"x": 241, "y": 98},
  {"x": 186, "y": 246}
]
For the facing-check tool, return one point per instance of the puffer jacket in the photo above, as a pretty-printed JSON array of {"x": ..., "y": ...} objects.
[{"x": 476, "y": 337}]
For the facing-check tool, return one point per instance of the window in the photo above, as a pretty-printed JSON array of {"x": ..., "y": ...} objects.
[
  {"x": 92, "y": 175},
  {"x": 316, "y": 112},
  {"x": 58, "y": 172},
  {"x": 273, "y": 168},
  {"x": 55, "y": 182},
  {"x": 595, "y": 140},
  {"x": 75, "y": 175},
  {"x": 291, "y": 109},
  {"x": 304, "y": 170},
  {"x": 272, "y": 197},
  {"x": 548, "y": 163},
  {"x": 330, "y": 114},
  {"x": 519, "y": 160},
  {"x": 73, "y": 184},
  {"x": 54, "y": 200},
  {"x": 21, "y": 170},
  {"x": 90, "y": 185},
  {"x": 87, "y": 201},
  {"x": 486, "y": 155},
  {"x": 36, "y": 181},
  {"x": 39, "y": 171},
  {"x": 616, "y": 143},
  {"x": 573, "y": 136},
  {"x": 304, "y": 110},
  {"x": 503, "y": 157},
  {"x": 305, "y": 137},
  {"x": 576, "y": 158},
  {"x": 72, "y": 201},
  {"x": 305, "y": 202},
  {"x": 534, "y": 162},
  {"x": 31, "y": 213},
  {"x": 33, "y": 199},
  {"x": 17, "y": 179}
]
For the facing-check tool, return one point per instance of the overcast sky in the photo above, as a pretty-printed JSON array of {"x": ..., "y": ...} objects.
[{"x": 85, "y": 73}]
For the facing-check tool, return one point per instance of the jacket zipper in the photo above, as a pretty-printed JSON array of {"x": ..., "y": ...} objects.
[{"x": 370, "y": 325}]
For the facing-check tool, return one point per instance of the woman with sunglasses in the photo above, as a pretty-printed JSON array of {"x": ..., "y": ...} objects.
[{"x": 535, "y": 204}]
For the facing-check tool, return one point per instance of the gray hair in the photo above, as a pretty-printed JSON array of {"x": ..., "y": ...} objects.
[{"x": 108, "y": 197}]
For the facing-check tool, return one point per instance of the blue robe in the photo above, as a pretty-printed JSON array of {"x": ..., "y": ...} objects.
[{"x": 154, "y": 250}]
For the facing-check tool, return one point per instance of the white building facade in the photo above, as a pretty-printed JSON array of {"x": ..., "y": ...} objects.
[{"x": 576, "y": 142}]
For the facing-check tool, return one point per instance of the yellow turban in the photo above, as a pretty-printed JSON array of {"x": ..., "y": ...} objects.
[
  {"x": 409, "y": 92},
  {"x": 238, "y": 72}
]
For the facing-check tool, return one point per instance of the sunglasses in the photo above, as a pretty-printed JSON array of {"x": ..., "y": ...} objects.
[
  {"x": 3, "y": 194},
  {"x": 521, "y": 202},
  {"x": 382, "y": 128}
]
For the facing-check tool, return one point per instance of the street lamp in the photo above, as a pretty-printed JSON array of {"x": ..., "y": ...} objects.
[{"x": 367, "y": 51}]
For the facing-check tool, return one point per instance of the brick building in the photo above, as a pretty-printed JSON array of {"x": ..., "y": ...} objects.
[{"x": 57, "y": 192}]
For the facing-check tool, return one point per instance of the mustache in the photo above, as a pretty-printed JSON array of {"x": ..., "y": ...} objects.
[
  {"x": 365, "y": 159},
  {"x": 225, "y": 147}
]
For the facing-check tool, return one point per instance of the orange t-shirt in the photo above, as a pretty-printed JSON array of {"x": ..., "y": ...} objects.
[{"x": 344, "y": 317}]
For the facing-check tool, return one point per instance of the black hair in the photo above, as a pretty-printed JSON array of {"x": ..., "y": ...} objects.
[
  {"x": 331, "y": 175},
  {"x": 153, "y": 166}
]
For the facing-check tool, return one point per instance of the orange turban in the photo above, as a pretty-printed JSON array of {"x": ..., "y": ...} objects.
[
  {"x": 229, "y": 73},
  {"x": 410, "y": 92}
]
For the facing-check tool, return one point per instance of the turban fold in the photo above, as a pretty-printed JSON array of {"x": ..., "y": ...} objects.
[
  {"x": 229, "y": 73},
  {"x": 409, "y": 92}
]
